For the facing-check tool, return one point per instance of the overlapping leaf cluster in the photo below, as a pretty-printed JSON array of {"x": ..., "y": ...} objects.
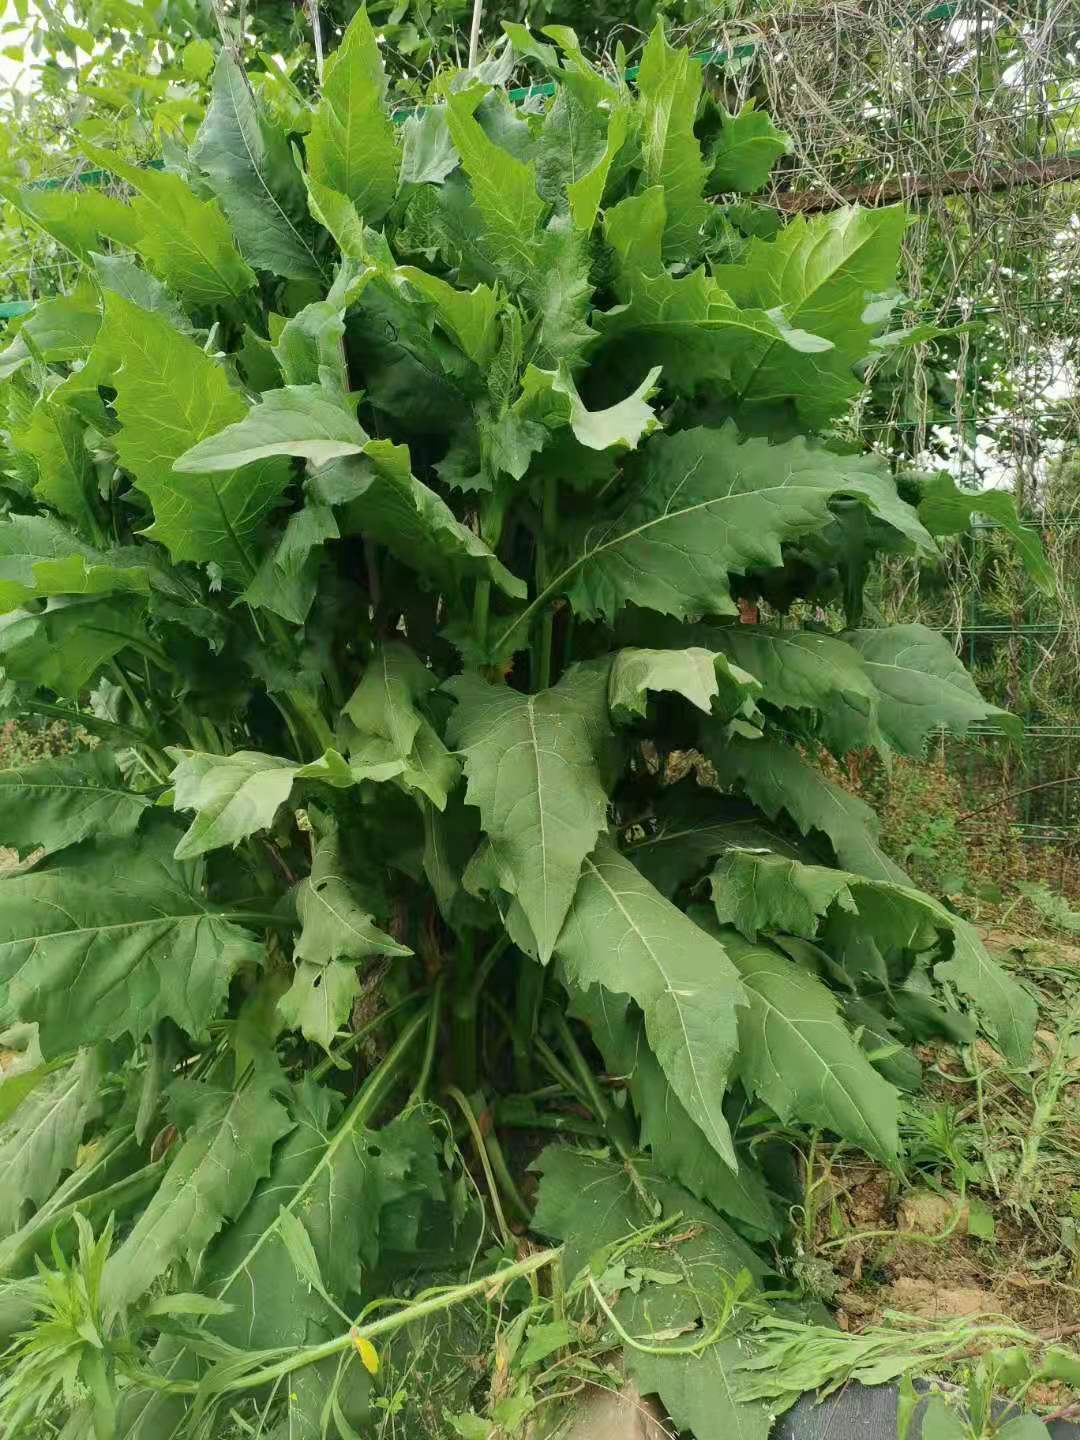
[{"x": 393, "y": 505}]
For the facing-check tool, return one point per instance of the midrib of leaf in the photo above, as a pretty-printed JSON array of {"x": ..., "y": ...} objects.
[
  {"x": 530, "y": 710},
  {"x": 798, "y": 310},
  {"x": 671, "y": 991},
  {"x": 791, "y": 1024},
  {"x": 553, "y": 588},
  {"x": 231, "y": 73},
  {"x": 346, "y": 924},
  {"x": 190, "y": 235}
]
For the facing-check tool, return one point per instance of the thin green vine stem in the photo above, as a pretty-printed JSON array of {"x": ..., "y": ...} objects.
[
  {"x": 485, "y": 1161},
  {"x": 427, "y": 1063},
  {"x": 645, "y": 1346}
]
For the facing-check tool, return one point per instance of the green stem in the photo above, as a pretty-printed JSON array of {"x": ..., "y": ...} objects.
[
  {"x": 313, "y": 1354},
  {"x": 262, "y": 917},
  {"x": 548, "y": 526},
  {"x": 614, "y": 1123},
  {"x": 487, "y": 964},
  {"x": 463, "y": 1017},
  {"x": 481, "y": 606},
  {"x": 505, "y": 1179},
  {"x": 419, "y": 1090},
  {"x": 336, "y": 1060},
  {"x": 485, "y": 1161},
  {"x": 529, "y": 994}
]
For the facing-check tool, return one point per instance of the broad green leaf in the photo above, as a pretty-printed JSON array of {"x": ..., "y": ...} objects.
[
  {"x": 59, "y": 329},
  {"x": 394, "y": 739},
  {"x": 198, "y": 59},
  {"x": 693, "y": 825},
  {"x": 821, "y": 274},
  {"x": 309, "y": 349},
  {"x": 587, "y": 191},
  {"x": 623, "y": 934},
  {"x": 64, "y": 646},
  {"x": 124, "y": 275},
  {"x": 78, "y": 219},
  {"x": 701, "y": 505},
  {"x": 551, "y": 397},
  {"x": 669, "y": 83},
  {"x": 286, "y": 580},
  {"x": 229, "y": 1136},
  {"x": 353, "y": 147},
  {"x": 779, "y": 780},
  {"x": 690, "y": 673},
  {"x": 428, "y": 154},
  {"x": 66, "y": 479},
  {"x": 755, "y": 890},
  {"x": 675, "y": 1142},
  {"x": 392, "y": 507},
  {"x": 170, "y": 395},
  {"x": 338, "y": 931},
  {"x": 308, "y": 421},
  {"x": 922, "y": 687},
  {"x": 808, "y": 670},
  {"x": 54, "y": 803},
  {"x": 255, "y": 178},
  {"x": 40, "y": 557},
  {"x": 532, "y": 765},
  {"x": 337, "y": 214},
  {"x": 503, "y": 190},
  {"x": 234, "y": 795},
  {"x": 744, "y": 152},
  {"x": 687, "y": 324},
  {"x": 41, "y": 1139},
  {"x": 113, "y": 938},
  {"x": 186, "y": 241},
  {"x": 341, "y": 1183},
  {"x": 470, "y": 317},
  {"x": 947, "y": 510},
  {"x": 796, "y": 1052}
]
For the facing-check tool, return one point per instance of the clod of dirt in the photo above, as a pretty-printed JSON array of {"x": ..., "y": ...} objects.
[
  {"x": 936, "y": 1302},
  {"x": 928, "y": 1213}
]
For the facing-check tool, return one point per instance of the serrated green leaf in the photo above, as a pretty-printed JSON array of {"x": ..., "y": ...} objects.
[
  {"x": 169, "y": 396},
  {"x": 186, "y": 241},
  {"x": 945, "y": 509},
  {"x": 820, "y": 273},
  {"x": 124, "y": 275},
  {"x": 550, "y": 397},
  {"x": 922, "y": 687},
  {"x": 286, "y": 580},
  {"x": 40, "y": 1141},
  {"x": 700, "y": 506},
  {"x": 78, "y": 219},
  {"x": 55, "y": 803},
  {"x": 392, "y": 733},
  {"x": 59, "y": 329},
  {"x": 779, "y": 780},
  {"x": 634, "y": 673},
  {"x": 228, "y": 1139},
  {"x": 669, "y": 83},
  {"x": 112, "y": 939},
  {"x": 64, "y": 646},
  {"x": 470, "y": 317},
  {"x": 198, "y": 59},
  {"x": 234, "y": 795},
  {"x": 353, "y": 147},
  {"x": 66, "y": 480},
  {"x": 40, "y": 557},
  {"x": 796, "y": 1052},
  {"x": 686, "y": 324},
  {"x": 755, "y": 890},
  {"x": 623, "y": 934},
  {"x": 586, "y": 192},
  {"x": 744, "y": 152},
  {"x": 254, "y": 177},
  {"x": 428, "y": 154},
  {"x": 531, "y": 762},
  {"x": 700, "y": 1394},
  {"x": 309, "y": 349},
  {"x": 337, "y": 214},
  {"x": 503, "y": 189}
]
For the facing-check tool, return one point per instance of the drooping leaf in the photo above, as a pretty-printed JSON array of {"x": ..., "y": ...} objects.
[
  {"x": 755, "y": 890},
  {"x": 40, "y": 1140},
  {"x": 170, "y": 394},
  {"x": 623, "y": 934},
  {"x": 40, "y": 557},
  {"x": 254, "y": 176},
  {"x": 53, "y": 438},
  {"x": 228, "y": 1139},
  {"x": 338, "y": 931},
  {"x": 111, "y": 939},
  {"x": 693, "y": 673},
  {"x": 353, "y": 147},
  {"x": 234, "y": 795},
  {"x": 186, "y": 241},
  {"x": 394, "y": 739},
  {"x": 744, "y": 152},
  {"x": 54, "y": 803},
  {"x": 702, "y": 506},
  {"x": 821, "y": 274},
  {"x": 308, "y": 421},
  {"x": 945, "y": 509},
  {"x": 287, "y": 579},
  {"x": 532, "y": 767},
  {"x": 64, "y": 646},
  {"x": 922, "y": 687},
  {"x": 779, "y": 780},
  {"x": 796, "y": 1052}
]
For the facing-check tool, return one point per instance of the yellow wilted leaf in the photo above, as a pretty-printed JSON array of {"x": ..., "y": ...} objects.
[{"x": 369, "y": 1356}]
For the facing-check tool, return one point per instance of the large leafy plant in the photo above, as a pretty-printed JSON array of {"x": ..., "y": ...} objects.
[{"x": 392, "y": 507}]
